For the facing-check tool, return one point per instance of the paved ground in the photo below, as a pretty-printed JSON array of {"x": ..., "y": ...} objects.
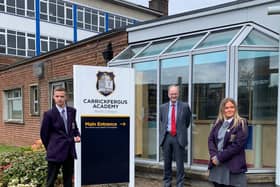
[{"x": 139, "y": 182}]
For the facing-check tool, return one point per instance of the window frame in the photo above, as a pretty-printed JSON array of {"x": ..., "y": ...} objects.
[
  {"x": 8, "y": 116},
  {"x": 34, "y": 100}
]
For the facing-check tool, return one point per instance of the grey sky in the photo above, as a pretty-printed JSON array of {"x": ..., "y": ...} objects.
[{"x": 178, "y": 6}]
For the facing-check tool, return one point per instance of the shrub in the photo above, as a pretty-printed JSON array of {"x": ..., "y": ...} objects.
[{"x": 26, "y": 167}]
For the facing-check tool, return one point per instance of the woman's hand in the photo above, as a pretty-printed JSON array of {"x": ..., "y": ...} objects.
[{"x": 215, "y": 160}]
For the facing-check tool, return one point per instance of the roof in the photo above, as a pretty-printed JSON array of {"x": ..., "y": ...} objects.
[{"x": 237, "y": 4}]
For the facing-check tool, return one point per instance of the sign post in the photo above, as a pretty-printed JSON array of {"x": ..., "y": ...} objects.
[{"x": 104, "y": 99}]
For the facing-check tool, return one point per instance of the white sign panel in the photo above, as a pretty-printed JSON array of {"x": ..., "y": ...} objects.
[{"x": 104, "y": 99}]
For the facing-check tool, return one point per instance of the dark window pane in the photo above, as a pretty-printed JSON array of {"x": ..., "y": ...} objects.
[
  {"x": 21, "y": 52},
  {"x": 31, "y": 53},
  {"x": 80, "y": 16},
  {"x": 11, "y": 3},
  {"x": 60, "y": 11},
  {"x": 94, "y": 28},
  {"x": 94, "y": 19},
  {"x": 31, "y": 44},
  {"x": 43, "y": 17},
  {"x": 31, "y": 14},
  {"x": 11, "y": 9},
  {"x": 43, "y": 7},
  {"x": 60, "y": 45},
  {"x": 30, "y": 4},
  {"x": 44, "y": 45},
  {"x": 52, "y": 9},
  {"x": 68, "y": 22},
  {"x": 52, "y": 18},
  {"x": 2, "y": 50},
  {"x": 69, "y": 13},
  {"x": 31, "y": 35},
  {"x": 20, "y": 12},
  {"x": 12, "y": 41},
  {"x": 2, "y": 39},
  {"x": 60, "y": 20},
  {"x": 101, "y": 21},
  {"x": 87, "y": 17},
  {"x": 21, "y": 42},
  {"x": 11, "y": 32},
  {"x": 52, "y": 45},
  {"x": 20, "y": 4},
  {"x": 12, "y": 51}
]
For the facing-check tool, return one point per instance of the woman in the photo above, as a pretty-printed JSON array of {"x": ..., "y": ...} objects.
[{"x": 226, "y": 144}]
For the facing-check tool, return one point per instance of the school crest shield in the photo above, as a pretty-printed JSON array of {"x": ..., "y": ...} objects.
[{"x": 105, "y": 83}]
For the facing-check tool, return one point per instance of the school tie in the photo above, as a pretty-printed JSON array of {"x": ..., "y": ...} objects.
[
  {"x": 173, "y": 121},
  {"x": 63, "y": 115}
]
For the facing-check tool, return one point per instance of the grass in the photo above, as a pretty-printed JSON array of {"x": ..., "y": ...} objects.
[{"x": 6, "y": 148}]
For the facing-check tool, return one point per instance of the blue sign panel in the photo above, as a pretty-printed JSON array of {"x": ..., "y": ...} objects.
[{"x": 105, "y": 149}]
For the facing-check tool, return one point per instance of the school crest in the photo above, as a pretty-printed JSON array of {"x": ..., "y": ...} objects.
[{"x": 105, "y": 83}]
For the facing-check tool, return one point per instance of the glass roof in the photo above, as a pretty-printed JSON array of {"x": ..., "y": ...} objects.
[
  {"x": 130, "y": 52},
  {"x": 219, "y": 38},
  {"x": 194, "y": 42},
  {"x": 184, "y": 43},
  {"x": 257, "y": 38},
  {"x": 155, "y": 48}
]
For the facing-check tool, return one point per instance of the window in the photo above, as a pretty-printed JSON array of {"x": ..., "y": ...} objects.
[
  {"x": 20, "y": 7},
  {"x": 80, "y": 19},
  {"x": 43, "y": 10},
  {"x": 11, "y": 6},
  {"x": 44, "y": 44},
  {"x": 69, "y": 14},
  {"x": 146, "y": 109},
  {"x": 13, "y": 105},
  {"x": 30, "y": 8},
  {"x": 2, "y": 6},
  {"x": 219, "y": 38},
  {"x": 30, "y": 45},
  {"x": 101, "y": 21},
  {"x": 2, "y": 41},
  {"x": 155, "y": 48},
  {"x": 11, "y": 41},
  {"x": 88, "y": 19},
  {"x": 21, "y": 43},
  {"x": 257, "y": 101},
  {"x": 34, "y": 100},
  {"x": 94, "y": 19},
  {"x": 111, "y": 22}
]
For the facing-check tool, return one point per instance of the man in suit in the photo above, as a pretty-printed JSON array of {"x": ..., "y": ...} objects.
[
  {"x": 59, "y": 133},
  {"x": 175, "y": 117}
]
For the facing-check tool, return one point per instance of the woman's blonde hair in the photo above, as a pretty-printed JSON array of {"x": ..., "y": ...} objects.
[{"x": 236, "y": 118}]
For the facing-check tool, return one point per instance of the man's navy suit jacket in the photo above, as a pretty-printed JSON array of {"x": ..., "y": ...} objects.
[
  {"x": 183, "y": 120},
  {"x": 59, "y": 144}
]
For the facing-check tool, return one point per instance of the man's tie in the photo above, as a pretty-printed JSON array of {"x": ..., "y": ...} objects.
[
  {"x": 64, "y": 120},
  {"x": 173, "y": 121}
]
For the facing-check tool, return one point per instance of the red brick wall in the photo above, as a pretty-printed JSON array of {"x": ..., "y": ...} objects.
[{"x": 57, "y": 66}]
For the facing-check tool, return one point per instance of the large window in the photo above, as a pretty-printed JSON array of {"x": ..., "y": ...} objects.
[
  {"x": 174, "y": 71},
  {"x": 209, "y": 81},
  {"x": 257, "y": 100},
  {"x": 146, "y": 110},
  {"x": 13, "y": 105}
]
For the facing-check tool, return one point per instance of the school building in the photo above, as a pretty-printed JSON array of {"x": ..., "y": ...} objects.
[{"x": 229, "y": 50}]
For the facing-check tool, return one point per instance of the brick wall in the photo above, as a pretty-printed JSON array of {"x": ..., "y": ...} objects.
[{"x": 58, "y": 65}]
